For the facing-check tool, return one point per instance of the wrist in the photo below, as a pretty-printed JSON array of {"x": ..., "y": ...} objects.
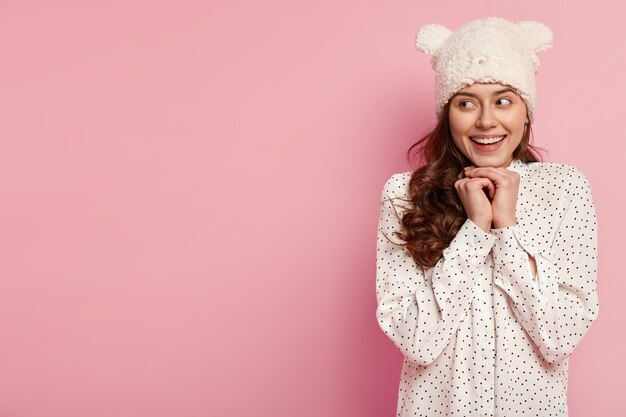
[
  {"x": 498, "y": 224},
  {"x": 485, "y": 225}
]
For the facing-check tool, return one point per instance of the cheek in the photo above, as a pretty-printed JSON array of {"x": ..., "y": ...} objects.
[
  {"x": 515, "y": 125},
  {"x": 458, "y": 142},
  {"x": 459, "y": 138},
  {"x": 455, "y": 130},
  {"x": 516, "y": 120},
  {"x": 459, "y": 123}
]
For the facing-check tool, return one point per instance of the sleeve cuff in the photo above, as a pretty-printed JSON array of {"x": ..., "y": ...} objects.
[
  {"x": 512, "y": 244},
  {"x": 471, "y": 243}
]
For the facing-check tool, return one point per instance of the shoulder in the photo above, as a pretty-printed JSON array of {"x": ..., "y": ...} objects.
[
  {"x": 556, "y": 168},
  {"x": 395, "y": 192},
  {"x": 397, "y": 184},
  {"x": 559, "y": 174}
]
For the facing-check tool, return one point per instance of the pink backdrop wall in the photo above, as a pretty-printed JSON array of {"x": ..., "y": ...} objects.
[{"x": 190, "y": 195}]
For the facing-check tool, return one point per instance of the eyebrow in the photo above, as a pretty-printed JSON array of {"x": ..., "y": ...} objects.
[{"x": 504, "y": 90}]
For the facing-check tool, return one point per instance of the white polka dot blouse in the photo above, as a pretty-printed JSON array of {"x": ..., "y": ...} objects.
[{"x": 480, "y": 336}]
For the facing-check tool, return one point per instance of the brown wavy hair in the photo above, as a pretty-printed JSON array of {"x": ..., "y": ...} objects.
[{"x": 434, "y": 213}]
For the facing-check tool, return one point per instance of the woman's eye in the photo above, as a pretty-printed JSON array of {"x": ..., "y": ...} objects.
[
  {"x": 506, "y": 99},
  {"x": 461, "y": 103}
]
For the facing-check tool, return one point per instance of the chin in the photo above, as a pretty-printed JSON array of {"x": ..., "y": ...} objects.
[{"x": 489, "y": 162}]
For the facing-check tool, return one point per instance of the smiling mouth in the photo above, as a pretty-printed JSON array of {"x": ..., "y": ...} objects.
[{"x": 488, "y": 141}]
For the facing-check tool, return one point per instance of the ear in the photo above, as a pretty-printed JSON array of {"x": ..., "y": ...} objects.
[
  {"x": 430, "y": 37},
  {"x": 538, "y": 35}
]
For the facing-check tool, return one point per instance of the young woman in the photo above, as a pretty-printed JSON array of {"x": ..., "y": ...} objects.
[{"x": 486, "y": 257}]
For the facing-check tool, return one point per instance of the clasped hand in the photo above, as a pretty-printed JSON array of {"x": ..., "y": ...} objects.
[{"x": 489, "y": 196}]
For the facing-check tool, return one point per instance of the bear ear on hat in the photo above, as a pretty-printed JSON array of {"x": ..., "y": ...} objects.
[
  {"x": 538, "y": 35},
  {"x": 430, "y": 37}
]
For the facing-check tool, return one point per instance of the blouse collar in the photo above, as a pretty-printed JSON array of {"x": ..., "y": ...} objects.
[{"x": 520, "y": 167}]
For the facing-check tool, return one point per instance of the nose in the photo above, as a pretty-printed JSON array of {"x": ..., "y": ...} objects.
[{"x": 486, "y": 119}]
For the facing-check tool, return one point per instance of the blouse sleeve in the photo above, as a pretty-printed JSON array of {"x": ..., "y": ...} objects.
[
  {"x": 420, "y": 310},
  {"x": 558, "y": 307}
]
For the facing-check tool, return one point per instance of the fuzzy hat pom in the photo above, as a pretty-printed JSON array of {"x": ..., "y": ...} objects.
[
  {"x": 430, "y": 37},
  {"x": 538, "y": 35}
]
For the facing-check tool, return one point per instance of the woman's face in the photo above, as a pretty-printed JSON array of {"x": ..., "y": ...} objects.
[{"x": 487, "y": 110}]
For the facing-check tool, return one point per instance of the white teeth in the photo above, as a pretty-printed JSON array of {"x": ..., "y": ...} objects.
[{"x": 488, "y": 140}]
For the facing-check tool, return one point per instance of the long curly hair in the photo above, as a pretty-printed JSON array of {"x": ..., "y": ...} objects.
[{"x": 434, "y": 213}]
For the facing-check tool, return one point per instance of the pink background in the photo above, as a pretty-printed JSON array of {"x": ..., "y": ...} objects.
[{"x": 190, "y": 194}]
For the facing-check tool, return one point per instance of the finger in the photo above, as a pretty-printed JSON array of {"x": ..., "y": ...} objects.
[
  {"x": 481, "y": 182},
  {"x": 486, "y": 185},
  {"x": 460, "y": 182},
  {"x": 492, "y": 189},
  {"x": 494, "y": 174},
  {"x": 468, "y": 168}
]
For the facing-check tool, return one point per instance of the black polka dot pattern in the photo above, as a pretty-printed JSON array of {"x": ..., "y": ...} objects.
[{"x": 480, "y": 336}]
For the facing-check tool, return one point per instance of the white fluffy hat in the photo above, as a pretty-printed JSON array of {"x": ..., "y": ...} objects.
[{"x": 486, "y": 50}]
